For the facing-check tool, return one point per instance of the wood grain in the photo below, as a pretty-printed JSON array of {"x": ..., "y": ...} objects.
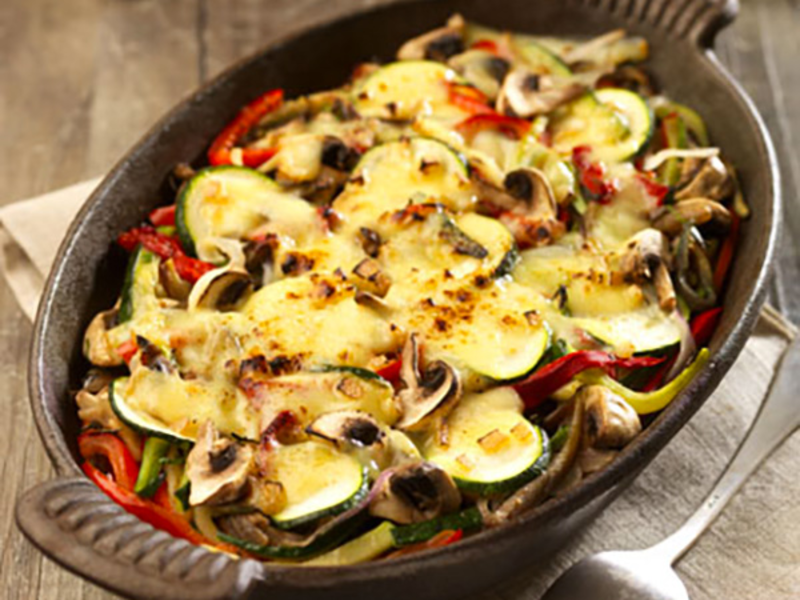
[{"x": 83, "y": 79}]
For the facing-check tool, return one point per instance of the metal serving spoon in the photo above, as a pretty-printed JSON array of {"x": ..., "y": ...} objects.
[{"x": 647, "y": 574}]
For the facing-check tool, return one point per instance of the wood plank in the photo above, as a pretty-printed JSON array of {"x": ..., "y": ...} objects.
[
  {"x": 46, "y": 72},
  {"x": 234, "y": 29},
  {"x": 758, "y": 50},
  {"x": 82, "y": 81}
]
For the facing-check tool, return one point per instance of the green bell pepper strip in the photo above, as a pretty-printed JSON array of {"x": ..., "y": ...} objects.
[
  {"x": 694, "y": 122},
  {"x": 673, "y": 131},
  {"x": 149, "y": 478},
  {"x": 645, "y": 403}
]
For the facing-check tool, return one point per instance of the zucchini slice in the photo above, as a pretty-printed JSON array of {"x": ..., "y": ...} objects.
[
  {"x": 616, "y": 123},
  {"x": 647, "y": 330},
  {"x": 139, "y": 288},
  {"x": 492, "y": 334},
  {"x": 166, "y": 406},
  {"x": 231, "y": 202},
  {"x": 391, "y": 175},
  {"x": 493, "y": 449},
  {"x": 401, "y": 91},
  {"x": 319, "y": 482}
]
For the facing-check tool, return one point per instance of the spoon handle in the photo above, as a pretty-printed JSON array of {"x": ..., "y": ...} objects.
[{"x": 778, "y": 417}]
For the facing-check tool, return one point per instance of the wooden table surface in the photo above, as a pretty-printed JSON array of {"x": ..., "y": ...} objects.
[{"x": 80, "y": 80}]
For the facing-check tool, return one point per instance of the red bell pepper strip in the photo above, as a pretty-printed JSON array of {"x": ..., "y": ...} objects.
[
  {"x": 704, "y": 324},
  {"x": 469, "y": 99},
  {"x": 653, "y": 188},
  {"x": 150, "y": 512},
  {"x": 163, "y": 215},
  {"x": 161, "y": 497},
  {"x": 220, "y": 151},
  {"x": 726, "y": 253},
  {"x": 107, "y": 445},
  {"x": 391, "y": 371},
  {"x": 592, "y": 176},
  {"x": 658, "y": 377},
  {"x": 190, "y": 269},
  {"x": 488, "y": 45},
  {"x": 127, "y": 350},
  {"x": 510, "y": 126},
  {"x": 535, "y": 389}
]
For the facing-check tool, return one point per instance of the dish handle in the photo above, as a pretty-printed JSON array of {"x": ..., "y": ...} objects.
[
  {"x": 697, "y": 20},
  {"x": 75, "y": 524}
]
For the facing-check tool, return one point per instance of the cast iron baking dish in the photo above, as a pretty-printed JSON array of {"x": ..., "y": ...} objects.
[{"x": 75, "y": 524}]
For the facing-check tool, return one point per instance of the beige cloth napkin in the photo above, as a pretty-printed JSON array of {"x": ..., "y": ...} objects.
[{"x": 752, "y": 552}]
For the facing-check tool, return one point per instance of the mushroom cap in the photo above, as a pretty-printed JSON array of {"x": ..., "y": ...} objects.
[
  {"x": 526, "y": 94},
  {"x": 428, "y": 397},
  {"x": 699, "y": 212},
  {"x": 217, "y": 468},
  {"x": 416, "y": 492},
  {"x": 348, "y": 427},
  {"x": 610, "y": 421},
  {"x": 712, "y": 180},
  {"x": 439, "y": 44},
  {"x": 221, "y": 289}
]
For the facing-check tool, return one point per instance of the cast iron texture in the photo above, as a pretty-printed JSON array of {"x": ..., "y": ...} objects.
[{"x": 82, "y": 530}]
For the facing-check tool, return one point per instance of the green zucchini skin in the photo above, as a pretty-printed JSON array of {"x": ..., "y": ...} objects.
[
  {"x": 467, "y": 520},
  {"x": 127, "y": 306},
  {"x": 331, "y": 511},
  {"x": 323, "y": 543},
  {"x": 359, "y": 372},
  {"x": 505, "y": 486},
  {"x": 117, "y": 403}
]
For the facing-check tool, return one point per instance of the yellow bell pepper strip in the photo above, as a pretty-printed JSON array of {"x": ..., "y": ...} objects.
[
  {"x": 645, "y": 403},
  {"x": 537, "y": 387}
]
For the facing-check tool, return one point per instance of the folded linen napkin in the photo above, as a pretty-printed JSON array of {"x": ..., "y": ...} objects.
[{"x": 752, "y": 552}]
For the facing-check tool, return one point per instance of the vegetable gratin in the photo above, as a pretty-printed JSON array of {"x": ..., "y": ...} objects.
[{"x": 389, "y": 315}]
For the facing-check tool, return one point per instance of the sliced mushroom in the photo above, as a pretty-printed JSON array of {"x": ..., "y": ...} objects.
[
  {"x": 610, "y": 421},
  {"x": 646, "y": 259},
  {"x": 428, "y": 397},
  {"x": 174, "y": 285},
  {"x": 221, "y": 290},
  {"x": 217, "y": 467},
  {"x": 711, "y": 180},
  {"x": 371, "y": 278},
  {"x": 260, "y": 260},
  {"x": 526, "y": 204},
  {"x": 694, "y": 276},
  {"x": 152, "y": 357},
  {"x": 415, "y": 492},
  {"x": 251, "y": 527},
  {"x": 97, "y": 348},
  {"x": 712, "y": 216},
  {"x": 439, "y": 44},
  {"x": 485, "y": 70},
  {"x": 345, "y": 428},
  {"x": 525, "y": 94}
]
